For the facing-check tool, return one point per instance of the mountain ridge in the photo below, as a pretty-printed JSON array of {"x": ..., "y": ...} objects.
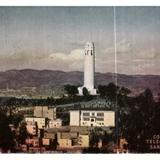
[{"x": 16, "y": 79}]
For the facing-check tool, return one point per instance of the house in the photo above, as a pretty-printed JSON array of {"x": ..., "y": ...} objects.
[
  {"x": 65, "y": 143},
  {"x": 49, "y": 135},
  {"x": 55, "y": 123},
  {"x": 67, "y": 139},
  {"x": 46, "y": 141},
  {"x": 36, "y": 150},
  {"x": 33, "y": 142},
  {"x": 41, "y": 122},
  {"x": 23, "y": 147},
  {"x": 83, "y": 140},
  {"x": 31, "y": 127},
  {"x": 45, "y": 112},
  {"x": 93, "y": 118},
  {"x": 80, "y": 129}
]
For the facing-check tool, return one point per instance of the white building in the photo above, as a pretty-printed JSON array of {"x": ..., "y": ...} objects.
[
  {"x": 45, "y": 112},
  {"x": 89, "y": 69},
  {"x": 55, "y": 123},
  {"x": 74, "y": 118},
  {"x": 92, "y": 118},
  {"x": 41, "y": 122}
]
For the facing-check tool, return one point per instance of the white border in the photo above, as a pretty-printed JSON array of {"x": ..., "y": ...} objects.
[
  {"x": 80, "y": 156},
  {"x": 79, "y": 2}
]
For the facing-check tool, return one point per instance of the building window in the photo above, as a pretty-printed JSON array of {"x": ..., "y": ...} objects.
[
  {"x": 86, "y": 114},
  {"x": 86, "y": 119},
  {"x": 92, "y": 120},
  {"x": 100, "y": 119},
  {"x": 100, "y": 114},
  {"x": 93, "y": 114}
]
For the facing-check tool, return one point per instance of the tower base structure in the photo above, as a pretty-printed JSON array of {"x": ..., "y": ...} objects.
[{"x": 91, "y": 91}]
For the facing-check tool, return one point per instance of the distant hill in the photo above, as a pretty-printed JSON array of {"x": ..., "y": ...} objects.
[{"x": 16, "y": 79}]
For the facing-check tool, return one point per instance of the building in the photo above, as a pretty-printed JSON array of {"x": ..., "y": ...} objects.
[
  {"x": 89, "y": 69},
  {"x": 83, "y": 140},
  {"x": 98, "y": 118},
  {"x": 49, "y": 135},
  {"x": 75, "y": 118},
  {"x": 34, "y": 142},
  {"x": 46, "y": 142},
  {"x": 45, "y": 111},
  {"x": 41, "y": 122},
  {"x": 55, "y": 123},
  {"x": 82, "y": 130},
  {"x": 65, "y": 143},
  {"x": 31, "y": 127}
]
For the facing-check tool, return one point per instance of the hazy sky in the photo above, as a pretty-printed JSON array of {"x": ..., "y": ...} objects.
[{"x": 54, "y": 38}]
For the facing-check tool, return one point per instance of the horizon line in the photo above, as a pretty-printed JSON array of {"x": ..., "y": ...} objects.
[{"x": 79, "y": 71}]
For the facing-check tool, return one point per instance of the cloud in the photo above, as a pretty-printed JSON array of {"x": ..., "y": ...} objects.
[
  {"x": 77, "y": 54},
  {"x": 122, "y": 47},
  {"x": 71, "y": 61},
  {"x": 58, "y": 56},
  {"x": 54, "y": 61},
  {"x": 147, "y": 54},
  {"x": 74, "y": 55},
  {"x": 144, "y": 62}
]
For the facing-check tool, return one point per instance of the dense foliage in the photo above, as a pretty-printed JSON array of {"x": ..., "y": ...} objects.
[
  {"x": 6, "y": 136},
  {"x": 137, "y": 118}
]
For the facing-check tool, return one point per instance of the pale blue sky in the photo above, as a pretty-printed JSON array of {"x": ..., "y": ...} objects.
[{"x": 54, "y": 38}]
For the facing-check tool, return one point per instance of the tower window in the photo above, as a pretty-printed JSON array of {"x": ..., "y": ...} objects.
[{"x": 91, "y": 52}]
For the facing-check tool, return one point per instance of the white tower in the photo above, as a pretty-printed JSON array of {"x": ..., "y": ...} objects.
[{"x": 89, "y": 69}]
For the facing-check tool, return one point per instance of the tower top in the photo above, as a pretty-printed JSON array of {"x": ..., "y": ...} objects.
[{"x": 89, "y": 46}]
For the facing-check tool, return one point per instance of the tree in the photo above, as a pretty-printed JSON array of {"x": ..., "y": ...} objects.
[
  {"x": 102, "y": 90},
  {"x": 139, "y": 123},
  {"x": 85, "y": 92},
  {"x": 110, "y": 91},
  {"x": 50, "y": 101},
  {"x": 124, "y": 91},
  {"x": 23, "y": 133},
  {"x": 6, "y": 136},
  {"x": 11, "y": 104},
  {"x": 15, "y": 119},
  {"x": 71, "y": 90}
]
